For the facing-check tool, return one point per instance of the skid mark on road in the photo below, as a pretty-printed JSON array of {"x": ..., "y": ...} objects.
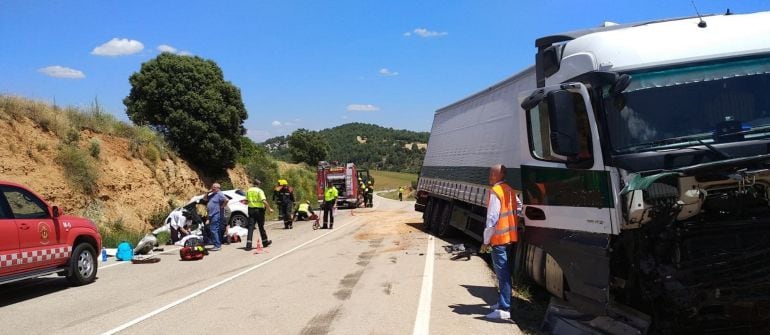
[
  {"x": 387, "y": 288},
  {"x": 321, "y": 323},
  {"x": 351, "y": 279},
  {"x": 347, "y": 283}
]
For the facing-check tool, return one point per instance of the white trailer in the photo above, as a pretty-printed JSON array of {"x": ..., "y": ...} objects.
[{"x": 642, "y": 155}]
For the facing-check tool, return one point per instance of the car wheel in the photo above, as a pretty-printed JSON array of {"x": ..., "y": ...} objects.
[
  {"x": 82, "y": 267},
  {"x": 240, "y": 220}
]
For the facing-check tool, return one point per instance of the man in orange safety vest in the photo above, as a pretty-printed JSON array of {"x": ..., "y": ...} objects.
[{"x": 499, "y": 236}]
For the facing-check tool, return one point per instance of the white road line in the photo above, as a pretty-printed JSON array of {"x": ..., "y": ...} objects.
[
  {"x": 215, "y": 285},
  {"x": 422, "y": 322}
]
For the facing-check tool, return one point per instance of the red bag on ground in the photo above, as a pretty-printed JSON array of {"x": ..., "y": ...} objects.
[{"x": 191, "y": 253}]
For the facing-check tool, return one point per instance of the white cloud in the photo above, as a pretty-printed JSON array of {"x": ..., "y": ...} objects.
[
  {"x": 277, "y": 124},
  {"x": 422, "y": 32},
  {"x": 58, "y": 71},
  {"x": 167, "y": 48},
  {"x": 170, "y": 49},
  {"x": 118, "y": 47},
  {"x": 362, "y": 108},
  {"x": 387, "y": 73}
]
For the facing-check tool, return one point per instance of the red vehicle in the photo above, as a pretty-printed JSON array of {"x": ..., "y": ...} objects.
[
  {"x": 345, "y": 178},
  {"x": 37, "y": 240}
]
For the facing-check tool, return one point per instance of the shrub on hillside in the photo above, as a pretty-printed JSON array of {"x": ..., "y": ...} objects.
[{"x": 79, "y": 168}]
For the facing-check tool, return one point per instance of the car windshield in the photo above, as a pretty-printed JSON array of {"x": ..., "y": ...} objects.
[{"x": 684, "y": 106}]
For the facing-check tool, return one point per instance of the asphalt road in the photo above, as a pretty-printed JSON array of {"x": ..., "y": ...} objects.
[{"x": 376, "y": 272}]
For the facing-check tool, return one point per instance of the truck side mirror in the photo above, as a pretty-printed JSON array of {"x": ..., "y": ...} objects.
[
  {"x": 620, "y": 84},
  {"x": 56, "y": 212},
  {"x": 563, "y": 122}
]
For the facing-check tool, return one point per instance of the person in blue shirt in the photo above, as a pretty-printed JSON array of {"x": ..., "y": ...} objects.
[{"x": 216, "y": 212}]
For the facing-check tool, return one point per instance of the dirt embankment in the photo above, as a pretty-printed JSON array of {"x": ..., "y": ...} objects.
[{"x": 128, "y": 188}]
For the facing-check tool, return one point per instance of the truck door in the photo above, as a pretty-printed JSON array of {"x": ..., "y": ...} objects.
[
  {"x": 566, "y": 195},
  {"x": 39, "y": 244},
  {"x": 565, "y": 184},
  {"x": 9, "y": 240}
]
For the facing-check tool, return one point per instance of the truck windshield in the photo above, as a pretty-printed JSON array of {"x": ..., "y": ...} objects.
[{"x": 683, "y": 106}]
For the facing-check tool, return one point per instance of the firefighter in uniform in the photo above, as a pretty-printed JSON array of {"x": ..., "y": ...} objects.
[
  {"x": 369, "y": 195},
  {"x": 286, "y": 197},
  {"x": 330, "y": 200},
  {"x": 500, "y": 235}
]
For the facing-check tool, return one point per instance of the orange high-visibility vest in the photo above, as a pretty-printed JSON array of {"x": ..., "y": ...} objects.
[{"x": 505, "y": 229}]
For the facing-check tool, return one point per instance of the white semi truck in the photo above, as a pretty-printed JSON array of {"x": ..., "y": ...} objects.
[{"x": 642, "y": 156}]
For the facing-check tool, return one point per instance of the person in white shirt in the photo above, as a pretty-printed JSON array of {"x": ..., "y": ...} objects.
[{"x": 179, "y": 223}]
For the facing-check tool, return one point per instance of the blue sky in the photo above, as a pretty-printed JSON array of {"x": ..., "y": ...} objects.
[{"x": 302, "y": 64}]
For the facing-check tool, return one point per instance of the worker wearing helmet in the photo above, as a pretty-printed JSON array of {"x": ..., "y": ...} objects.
[
  {"x": 369, "y": 195},
  {"x": 286, "y": 198}
]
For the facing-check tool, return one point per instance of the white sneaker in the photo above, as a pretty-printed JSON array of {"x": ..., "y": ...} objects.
[
  {"x": 499, "y": 314},
  {"x": 495, "y": 306}
]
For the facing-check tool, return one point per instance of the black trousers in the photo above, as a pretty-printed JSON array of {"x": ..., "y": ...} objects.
[
  {"x": 286, "y": 208},
  {"x": 256, "y": 215},
  {"x": 329, "y": 212}
]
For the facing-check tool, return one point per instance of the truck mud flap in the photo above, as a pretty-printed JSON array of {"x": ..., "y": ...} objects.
[{"x": 563, "y": 319}]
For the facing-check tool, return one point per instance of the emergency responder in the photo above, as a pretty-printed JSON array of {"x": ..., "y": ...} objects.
[
  {"x": 303, "y": 212},
  {"x": 369, "y": 195},
  {"x": 257, "y": 203},
  {"x": 330, "y": 200},
  {"x": 499, "y": 236},
  {"x": 276, "y": 198},
  {"x": 179, "y": 224},
  {"x": 400, "y": 193},
  {"x": 286, "y": 197}
]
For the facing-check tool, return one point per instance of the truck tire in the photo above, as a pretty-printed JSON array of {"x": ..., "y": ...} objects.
[
  {"x": 82, "y": 266},
  {"x": 426, "y": 216},
  {"x": 442, "y": 227},
  {"x": 435, "y": 214},
  {"x": 240, "y": 220}
]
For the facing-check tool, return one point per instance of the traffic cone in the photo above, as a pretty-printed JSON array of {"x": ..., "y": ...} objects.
[{"x": 259, "y": 249}]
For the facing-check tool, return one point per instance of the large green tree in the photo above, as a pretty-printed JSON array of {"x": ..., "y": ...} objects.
[
  {"x": 187, "y": 100},
  {"x": 307, "y": 146}
]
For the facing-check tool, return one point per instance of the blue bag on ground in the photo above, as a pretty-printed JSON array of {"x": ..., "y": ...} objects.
[{"x": 125, "y": 251}]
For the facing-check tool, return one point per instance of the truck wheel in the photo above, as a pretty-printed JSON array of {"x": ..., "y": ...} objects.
[
  {"x": 435, "y": 215},
  {"x": 441, "y": 227},
  {"x": 426, "y": 216},
  {"x": 240, "y": 220},
  {"x": 82, "y": 267}
]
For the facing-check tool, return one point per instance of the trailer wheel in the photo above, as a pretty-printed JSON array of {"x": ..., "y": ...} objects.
[
  {"x": 442, "y": 227},
  {"x": 426, "y": 216},
  {"x": 435, "y": 215}
]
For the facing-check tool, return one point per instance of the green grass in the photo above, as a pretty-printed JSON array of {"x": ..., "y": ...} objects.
[
  {"x": 114, "y": 232},
  {"x": 387, "y": 180}
]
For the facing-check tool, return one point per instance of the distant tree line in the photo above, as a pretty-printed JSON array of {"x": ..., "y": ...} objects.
[{"x": 367, "y": 145}]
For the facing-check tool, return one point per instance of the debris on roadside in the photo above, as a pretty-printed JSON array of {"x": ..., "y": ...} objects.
[{"x": 459, "y": 251}]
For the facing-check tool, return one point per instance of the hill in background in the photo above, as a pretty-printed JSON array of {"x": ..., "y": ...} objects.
[{"x": 367, "y": 145}]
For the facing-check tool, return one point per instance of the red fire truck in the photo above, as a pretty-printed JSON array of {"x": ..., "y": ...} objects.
[{"x": 343, "y": 176}]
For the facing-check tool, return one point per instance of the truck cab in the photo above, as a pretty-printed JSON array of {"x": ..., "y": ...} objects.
[
  {"x": 36, "y": 239},
  {"x": 657, "y": 135}
]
